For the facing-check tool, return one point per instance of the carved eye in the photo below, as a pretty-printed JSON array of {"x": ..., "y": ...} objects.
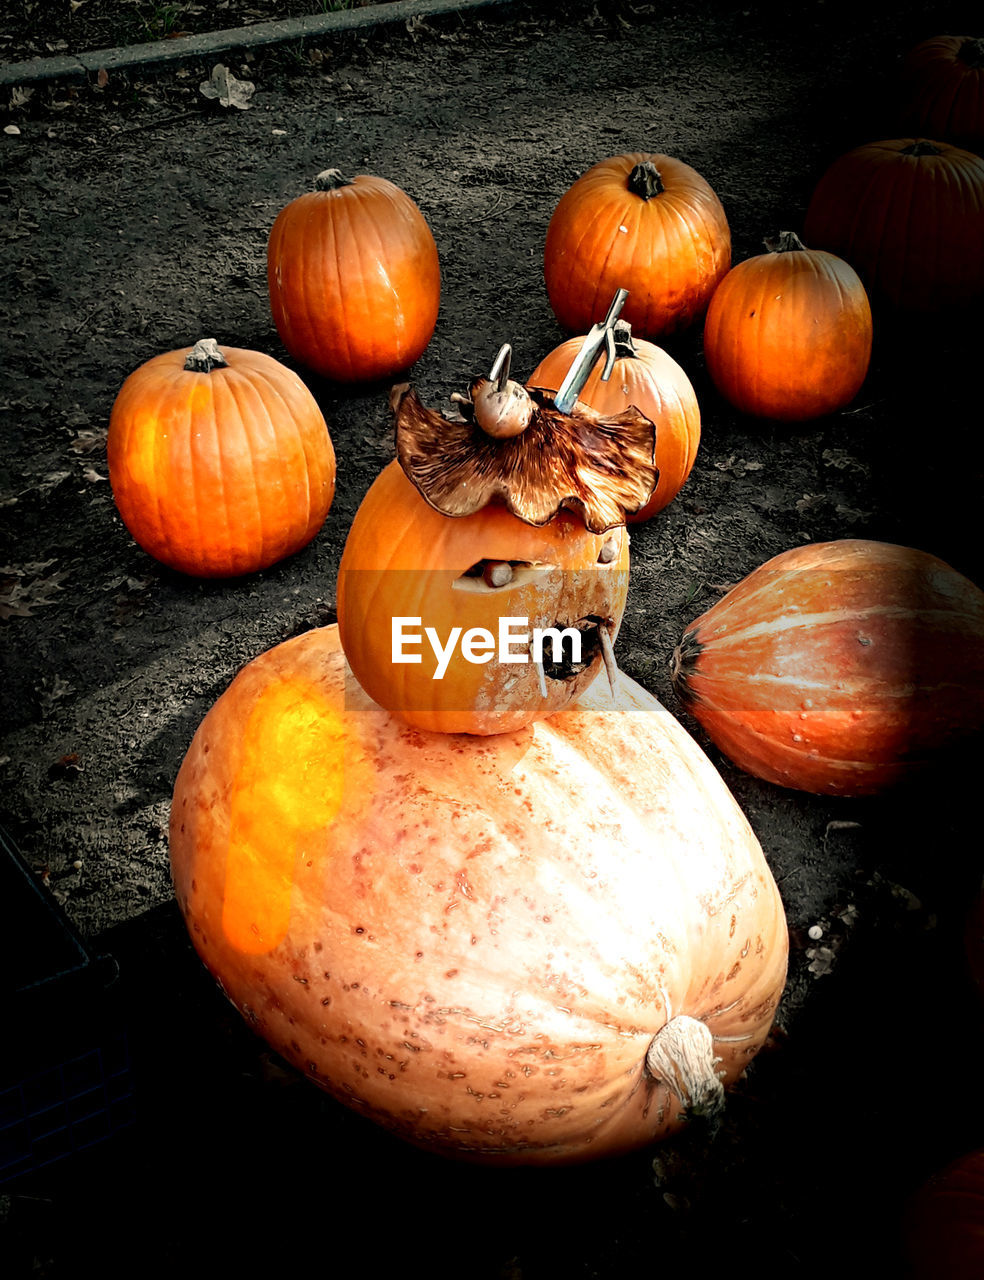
[
  {"x": 492, "y": 575},
  {"x": 609, "y": 551}
]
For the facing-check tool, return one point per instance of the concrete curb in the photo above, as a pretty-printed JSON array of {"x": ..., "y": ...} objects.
[{"x": 157, "y": 52}]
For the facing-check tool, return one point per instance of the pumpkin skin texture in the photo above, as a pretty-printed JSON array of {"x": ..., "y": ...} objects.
[
  {"x": 841, "y": 668},
  {"x": 944, "y": 1223},
  {"x": 354, "y": 278},
  {"x": 222, "y": 469},
  {"x": 943, "y": 90},
  {"x": 651, "y": 380},
  {"x": 908, "y": 215},
  {"x": 788, "y": 333},
  {"x": 669, "y": 249},
  {"x": 473, "y": 941},
  {"x": 403, "y": 559}
]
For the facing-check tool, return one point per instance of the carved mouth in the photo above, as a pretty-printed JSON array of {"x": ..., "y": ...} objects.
[{"x": 561, "y": 665}]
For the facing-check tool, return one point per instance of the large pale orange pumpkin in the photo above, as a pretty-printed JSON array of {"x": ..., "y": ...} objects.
[
  {"x": 405, "y": 560},
  {"x": 354, "y": 278},
  {"x": 537, "y": 947},
  {"x": 944, "y": 1223},
  {"x": 643, "y": 222},
  {"x": 648, "y": 377},
  {"x": 839, "y": 667},
  {"x": 943, "y": 90},
  {"x": 220, "y": 460},
  {"x": 788, "y": 333},
  {"x": 908, "y": 215}
]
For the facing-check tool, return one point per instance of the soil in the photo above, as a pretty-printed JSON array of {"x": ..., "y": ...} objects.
[{"x": 136, "y": 217}]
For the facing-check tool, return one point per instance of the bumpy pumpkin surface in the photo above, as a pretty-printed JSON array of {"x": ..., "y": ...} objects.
[
  {"x": 788, "y": 333},
  {"x": 487, "y": 945},
  {"x": 646, "y": 376},
  {"x": 643, "y": 222},
  {"x": 354, "y": 278},
  {"x": 220, "y": 460},
  {"x": 839, "y": 667},
  {"x": 404, "y": 559}
]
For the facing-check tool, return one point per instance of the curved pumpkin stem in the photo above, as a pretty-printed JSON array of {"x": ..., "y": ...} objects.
[
  {"x": 331, "y": 180},
  {"x": 784, "y": 242},
  {"x": 645, "y": 180},
  {"x": 971, "y": 52},
  {"x": 205, "y": 356},
  {"x": 681, "y": 1056},
  {"x": 921, "y": 147}
]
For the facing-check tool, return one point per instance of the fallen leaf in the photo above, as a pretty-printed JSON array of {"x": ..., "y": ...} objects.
[
  {"x": 230, "y": 92},
  {"x": 102, "y": 77},
  {"x": 20, "y": 95}
]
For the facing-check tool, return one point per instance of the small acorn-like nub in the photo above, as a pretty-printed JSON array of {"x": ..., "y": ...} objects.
[{"x": 501, "y": 413}]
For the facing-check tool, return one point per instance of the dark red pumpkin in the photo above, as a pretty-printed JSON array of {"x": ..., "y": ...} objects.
[
  {"x": 943, "y": 90},
  {"x": 643, "y": 222},
  {"x": 908, "y": 215},
  {"x": 944, "y": 1223},
  {"x": 788, "y": 333},
  {"x": 839, "y": 667}
]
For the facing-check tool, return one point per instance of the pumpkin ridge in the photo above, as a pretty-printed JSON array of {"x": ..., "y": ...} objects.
[
  {"x": 302, "y": 441},
  {"x": 247, "y": 536}
]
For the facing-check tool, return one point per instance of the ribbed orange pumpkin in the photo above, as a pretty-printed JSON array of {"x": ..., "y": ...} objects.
[
  {"x": 908, "y": 215},
  {"x": 529, "y": 948},
  {"x": 646, "y": 376},
  {"x": 354, "y": 278},
  {"x": 944, "y": 1223},
  {"x": 219, "y": 460},
  {"x": 643, "y": 222},
  {"x": 403, "y": 559},
  {"x": 839, "y": 667},
  {"x": 943, "y": 90},
  {"x": 788, "y": 333}
]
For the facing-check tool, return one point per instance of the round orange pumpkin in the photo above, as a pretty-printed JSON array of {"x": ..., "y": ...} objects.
[
  {"x": 643, "y": 222},
  {"x": 539, "y": 947},
  {"x": 404, "y": 560},
  {"x": 839, "y": 667},
  {"x": 646, "y": 376},
  {"x": 944, "y": 1223},
  {"x": 943, "y": 90},
  {"x": 220, "y": 461},
  {"x": 354, "y": 278},
  {"x": 908, "y": 215},
  {"x": 788, "y": 333}
]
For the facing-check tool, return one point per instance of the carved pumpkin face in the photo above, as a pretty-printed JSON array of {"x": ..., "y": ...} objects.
[{"x": 461, "y": 576}]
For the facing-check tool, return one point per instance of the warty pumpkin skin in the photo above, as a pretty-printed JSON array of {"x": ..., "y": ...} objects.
[
  {"x": 403, "y": 559},
  {"x": 354, "y": 278},
  {"x": 908, "y": 215},
  {"x": 220, "y": 461},
  {"x": 484, "y": 944},
  {"x": 646, "y": 376},
  {"x": 943, "y": 90},
  {"x": 841, "y": 668},
  {"x": 788, "y": 333},
  {"x": 643, "y": 222}
]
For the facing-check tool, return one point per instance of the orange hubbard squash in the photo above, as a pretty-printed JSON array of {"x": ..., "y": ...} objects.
[
  {"x": 220, "y": 461},
  {"x": 839, "y": 667},
  {"x": 354, "y": 278},
  {"x": 788, "y": 333},
  {"x": 538, "y": 947},
  {"x": 643, "y": 222},
  {"x": 644, "y": 375}
]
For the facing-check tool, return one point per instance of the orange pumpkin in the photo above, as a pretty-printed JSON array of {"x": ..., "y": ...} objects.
[
  {"x": 943, "y": 90},
  {"x": 944, "y": 1223},
  {"x": 839, "y": 667},
  {"x": 646, "y": 376},
  {"x": 405, "y": 560},
  {"x": 908, "y": 215},
  {"x": 788, "y": 333},
  {"x": 538, "y": 947},
  {"x": 643, "y": 222},
  {"x": 354, "y": 278},
  {"x": 220, "y": 461}
]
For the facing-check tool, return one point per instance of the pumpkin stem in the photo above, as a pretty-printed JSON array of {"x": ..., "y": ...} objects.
[
  {"x": 330, "y": 179},
  {"x": 784, "y": 242},
  {"x": 971, "y": 52},
  {"x": 645, "y": 180},
  {"x": 205, "y": 356},
  {"x": 921, "y": 147},
  {"x": 681, "y": 1057},
  {"x": 622, "y": 341}
]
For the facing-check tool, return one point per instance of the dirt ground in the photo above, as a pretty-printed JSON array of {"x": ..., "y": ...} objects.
[{"x": 135, "y": 221}]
